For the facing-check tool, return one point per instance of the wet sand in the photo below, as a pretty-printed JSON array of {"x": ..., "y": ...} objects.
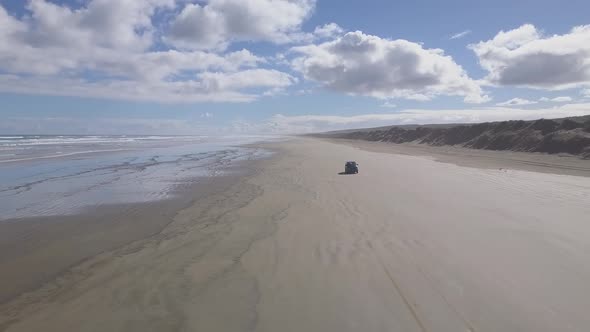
[
  {"x": 38, "y": 249},
  {"x": 409, "y": 244}
]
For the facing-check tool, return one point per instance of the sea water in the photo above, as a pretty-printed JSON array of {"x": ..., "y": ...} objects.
[{"x": 58, "y": 175}]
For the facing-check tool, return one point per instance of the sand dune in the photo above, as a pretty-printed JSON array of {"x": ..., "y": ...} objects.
[
  {"x": 568, "y": 135},
  {"x": 409, "y": 244}
]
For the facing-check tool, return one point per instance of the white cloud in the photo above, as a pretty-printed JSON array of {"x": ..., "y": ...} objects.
[
  {"x": 388, "y": 104},
  {"x": 460, "y": 34},
  {"x": 330, "y": 30},
  {"x": 564, "y": 99},
  {"x": 525, "y": 57},
  {"x": 167, "y": 64},
  {"x": 175, "y": 51},
  {"x": 315, "y": 123},
  {"x": 516, "y": 102},
  {"x": 216, "y": 23},
  {"x": 522, "y": 102},
  {"x": 117, "y": 24},
  {"x": 207, "y": 87},
  {"x": 361, "y": 64},
  {"x": 247, "y": 78},
  {"x": 105, "y": 49},
  {"x": 51, "y": 38}
]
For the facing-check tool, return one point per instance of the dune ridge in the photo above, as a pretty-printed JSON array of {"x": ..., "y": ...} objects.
[{"x": 568, "y": 135}]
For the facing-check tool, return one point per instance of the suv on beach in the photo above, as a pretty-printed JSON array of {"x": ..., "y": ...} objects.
[{"x": 351, "y": 167}]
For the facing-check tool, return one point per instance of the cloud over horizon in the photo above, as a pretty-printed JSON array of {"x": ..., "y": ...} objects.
[
  {"x": 525, "y": 57},
  {"x": 106, "y": 49},
  {"x": 289, "y": 55},
  {"x": 115, "y": 49},
  {"x": 314, "y": 123},
  {"x": 366, "y": 65}
]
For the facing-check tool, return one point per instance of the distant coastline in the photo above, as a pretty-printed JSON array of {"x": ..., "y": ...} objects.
[{"x": 565, "y": 135}]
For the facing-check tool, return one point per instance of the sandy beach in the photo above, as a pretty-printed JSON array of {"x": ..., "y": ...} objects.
[{"x": 493, "y": 242}]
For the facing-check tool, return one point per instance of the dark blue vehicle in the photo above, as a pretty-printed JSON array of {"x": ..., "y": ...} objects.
[{"x": 351, "y": 167}]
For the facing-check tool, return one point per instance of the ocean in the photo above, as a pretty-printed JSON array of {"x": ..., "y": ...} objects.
[{"x": 61, "y": 175}]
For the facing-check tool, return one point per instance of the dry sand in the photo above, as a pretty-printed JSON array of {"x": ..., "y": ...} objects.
[
  {"x": 536, "y": 162},
  {"x": 409, "y": 244}
]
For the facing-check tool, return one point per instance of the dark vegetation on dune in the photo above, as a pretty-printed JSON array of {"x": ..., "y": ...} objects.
[{"x": 569, "y": 135}]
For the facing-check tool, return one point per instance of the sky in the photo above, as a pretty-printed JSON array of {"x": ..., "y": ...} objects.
[{"x": 286, "y": 66}]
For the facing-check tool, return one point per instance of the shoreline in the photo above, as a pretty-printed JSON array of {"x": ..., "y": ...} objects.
[{"x": 35, "y": 251}]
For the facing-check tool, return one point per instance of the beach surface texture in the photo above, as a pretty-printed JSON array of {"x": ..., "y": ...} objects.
[{"x": 414, "y": 242}]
